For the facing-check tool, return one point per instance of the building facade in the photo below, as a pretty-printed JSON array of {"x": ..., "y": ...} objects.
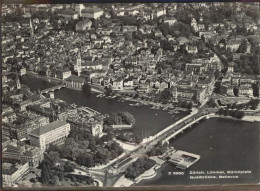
[
  {"x": 53, "y": 133},
  {"x": 12, "y": 173}
]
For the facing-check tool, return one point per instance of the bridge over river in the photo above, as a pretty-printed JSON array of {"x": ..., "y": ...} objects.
[{"x": 51, "y": 89}]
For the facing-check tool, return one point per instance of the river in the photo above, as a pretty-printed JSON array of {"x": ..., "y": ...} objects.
[
  {"x": 148, "y": 121},
  {"x": 223, "y": 144}
]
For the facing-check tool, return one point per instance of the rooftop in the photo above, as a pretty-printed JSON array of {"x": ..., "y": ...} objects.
[{"x": 49, "y": 127}]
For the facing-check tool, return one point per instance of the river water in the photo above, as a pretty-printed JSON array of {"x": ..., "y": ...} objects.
[
  {"x": 148, "y": 121},
  {"x": 224, "y": 145}
]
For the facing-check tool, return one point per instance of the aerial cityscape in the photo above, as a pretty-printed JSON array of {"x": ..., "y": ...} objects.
[{"x": 130, "y": 94}]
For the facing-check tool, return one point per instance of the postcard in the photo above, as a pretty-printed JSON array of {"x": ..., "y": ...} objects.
[{"x": 130, "y": 94}]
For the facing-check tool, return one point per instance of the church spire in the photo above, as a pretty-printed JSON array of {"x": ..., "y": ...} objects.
[
  {"x": 79, "y": 63},
  {"x": 31, "y": 29},
  {"x": 17, "y": 80}
]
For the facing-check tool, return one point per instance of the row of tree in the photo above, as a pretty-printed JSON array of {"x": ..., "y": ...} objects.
[
  {"x": 158, "y": 149},
  {"x": 139, "y": 167},
  {"x": 120, "y": 118},
  {"x": 233, "y": 113}
]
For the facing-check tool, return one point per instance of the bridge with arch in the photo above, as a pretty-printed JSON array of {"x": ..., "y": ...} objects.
[{"x": 51, "y": 89}]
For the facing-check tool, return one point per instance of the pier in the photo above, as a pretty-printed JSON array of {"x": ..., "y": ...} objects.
[
  {"x": 182, "y": 159},
  {"x": 89, "y": 110}
]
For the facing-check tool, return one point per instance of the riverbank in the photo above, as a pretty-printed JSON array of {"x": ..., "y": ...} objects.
[{"x": 247, "y": 118}]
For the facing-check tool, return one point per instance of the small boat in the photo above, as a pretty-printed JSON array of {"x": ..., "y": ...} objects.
[
  {"x": 211, "y": 148},
  {"x": 73, "y": 105},
  {"x": 211, "y": 137}
]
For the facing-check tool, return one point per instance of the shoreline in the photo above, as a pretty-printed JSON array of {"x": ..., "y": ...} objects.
[{"x": 156, "y": 168}]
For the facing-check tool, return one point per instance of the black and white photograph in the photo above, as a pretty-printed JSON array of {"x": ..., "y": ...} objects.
[{"x": 130, "y": 94}]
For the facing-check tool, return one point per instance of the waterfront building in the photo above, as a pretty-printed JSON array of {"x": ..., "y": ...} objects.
[
  {"x": 245, "y": 90},
  {"x": 74, "y": 82},
  {"x": 118, "y": 84},
  {"x": 13, "y": 172},
  {"x": 186, "y": 94},
  {"x": 201, "y": 95},
  {"x": 53, "y": 133}
]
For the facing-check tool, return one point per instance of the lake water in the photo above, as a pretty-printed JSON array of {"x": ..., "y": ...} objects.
[{"x": 224, "y": 145}]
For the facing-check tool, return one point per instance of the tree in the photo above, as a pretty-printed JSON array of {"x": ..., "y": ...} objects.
[
  {"x": 53, "y": 157},
  {"x": 61, "y": 175},
  {"x": 95, "y": 23},
  {"x": 139, "y": 167},
  {"x": 45, "y": 174},
  {"x": 86, "y": 89},
  {"x": 85, "y": 159},
  {"x": 68, "y": 167},
  {"x": 235, "y": 91},
  {"x": 225, "y": 112},
  {"x": 108, "y": 91},
  {"x": 221, "y": 111},
  {"x": 240, "y": 115},
  {"x": 189, "y": 106},
  {"x": 165, "y": 94},
  {"x": 136, "y": 96},
  {"x": 32, "y": 180}
]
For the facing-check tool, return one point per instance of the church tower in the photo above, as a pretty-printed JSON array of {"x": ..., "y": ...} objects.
[
  {"x": 18, "y": 83},
  {"x": 79, "y": 63},
  {"x": 194, "y": 25},
  {"x": 31, "y": 29}
]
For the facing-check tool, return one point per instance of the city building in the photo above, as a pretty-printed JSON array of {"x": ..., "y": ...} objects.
[
  {"x": 18, "y": 152},
  {"x": 83, "y": 25},
  {"x": 74, "y": 82},
  {"x": 92, "y": 13},
  {"x": 53, "y": 133},
  {"x": 13, "y": 172}
]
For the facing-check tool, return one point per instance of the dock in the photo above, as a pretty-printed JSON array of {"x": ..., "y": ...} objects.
[{"x": 182, "y": 159}]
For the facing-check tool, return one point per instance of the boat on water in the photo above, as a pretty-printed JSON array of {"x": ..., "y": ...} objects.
[
  {"x": 73, "y": 105},
  {"x": 153, "y": 107},
  {"x": 137, "y": 105}
]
